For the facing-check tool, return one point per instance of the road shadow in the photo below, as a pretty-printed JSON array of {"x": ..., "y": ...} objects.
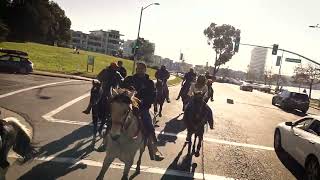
[
  {"x": 183, "y": 164},
  {"x": 66, "y": 161},
  {"x": 174, "y": 126},
  {"x": 291, "y": 164},
  {"x": 295, "y": 112}
]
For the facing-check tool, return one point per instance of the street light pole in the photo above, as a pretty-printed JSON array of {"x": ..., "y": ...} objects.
[{"x": 134, "y": 52}]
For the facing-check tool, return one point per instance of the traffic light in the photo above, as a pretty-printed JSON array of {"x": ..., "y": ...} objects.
[
  {"x": 275, "y": 49},
  {"x": 236, "y": 44},
  {"x": 137, "y": 45}
]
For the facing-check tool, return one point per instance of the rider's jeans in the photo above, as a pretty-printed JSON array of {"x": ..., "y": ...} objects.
[{"x": 147, "y": 121}]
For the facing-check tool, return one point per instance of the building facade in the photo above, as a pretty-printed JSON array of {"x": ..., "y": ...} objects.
[
  {"x": 107, "y": 42},
  {"x": 258, "y": 62}
]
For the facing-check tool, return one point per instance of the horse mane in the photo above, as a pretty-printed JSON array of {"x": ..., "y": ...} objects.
[
  {"x": 17, "y": 123},
  {"x": 123, "y": 97}
]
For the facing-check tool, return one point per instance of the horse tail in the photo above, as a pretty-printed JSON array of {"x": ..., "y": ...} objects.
[{"x": 23, "y": 145}]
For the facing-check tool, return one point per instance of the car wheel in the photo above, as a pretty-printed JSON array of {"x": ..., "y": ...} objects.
[
  {"x": 312, "y": 169},
  {"x": 277, "y": 141},
  {"x": 23, "y": 70}
]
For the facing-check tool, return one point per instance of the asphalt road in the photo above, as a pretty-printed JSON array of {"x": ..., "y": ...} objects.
[{"x": 239, "y": 147}]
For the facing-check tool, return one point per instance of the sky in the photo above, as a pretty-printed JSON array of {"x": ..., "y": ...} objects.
[{"x": 178, "y": 25}]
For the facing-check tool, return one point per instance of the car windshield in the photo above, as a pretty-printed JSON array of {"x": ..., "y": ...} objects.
[{"x": 299, "y": 96}]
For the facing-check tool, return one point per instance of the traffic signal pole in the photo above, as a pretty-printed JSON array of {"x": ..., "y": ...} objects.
[
  {"x": 283, "y": 50},
  {"x": 279, "y": 74}
]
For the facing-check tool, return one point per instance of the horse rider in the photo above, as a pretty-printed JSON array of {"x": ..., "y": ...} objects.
[
  {"x": 121, "y": 69},
  {"x": 209, "y": 84},
  {"x": 186, "y": 83},
  {"x": 163, "y": 74},
  {"x": 145, "y": 89},
  {"x": 200, "y": 86},
  {"x": 108, "y": 77}
]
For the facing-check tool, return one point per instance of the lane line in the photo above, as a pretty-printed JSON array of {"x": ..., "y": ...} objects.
[
  {"x": 70, "y": 103},
  {"x": 49, "y": 117},
  {"x": 145, "y": 169},
  {"x": 34, "y": 87}
]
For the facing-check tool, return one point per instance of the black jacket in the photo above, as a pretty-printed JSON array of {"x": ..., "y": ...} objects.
[
  {"x": 122, "y": 71},
  {"x": 189, "y": 77},
  {"x": 162, "y": 74},
  {"x": 144, "y": 87},
  {"x": 109, "y": 78}
]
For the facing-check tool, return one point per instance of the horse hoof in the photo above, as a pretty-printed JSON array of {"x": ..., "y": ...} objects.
[
  {"x": 197, "y": 154},
  {"x": 160, "y": 115},
  {"x": 137, "y": 170},
  {"x": 124, "y": 178}
]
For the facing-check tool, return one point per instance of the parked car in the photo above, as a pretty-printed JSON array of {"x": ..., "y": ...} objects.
[
  {"x": 15, "y": 61},
  {"x": 264, "y": 88},
  {"x": 291, "y": 100},
  {"x": 301, "y": 139},
  {"x": 246, "y": 87}
]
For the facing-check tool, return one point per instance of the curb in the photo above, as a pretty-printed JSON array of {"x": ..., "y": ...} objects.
[
  {"x": 24, "y": 119},
  {"x": 43, "y": 73}
]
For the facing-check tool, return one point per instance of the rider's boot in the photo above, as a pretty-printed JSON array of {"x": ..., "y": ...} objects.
[
  {"x": 87, "y": 110},
  {"x": 154, "y": 152}
]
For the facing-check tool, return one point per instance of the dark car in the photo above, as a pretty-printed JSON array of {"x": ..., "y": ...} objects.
[
  {"x": 264, "y": 88},
  {"x": 15, "y": 61},
  {"x": 292, "y": 100},
  {"x": 246, "y": 87}
]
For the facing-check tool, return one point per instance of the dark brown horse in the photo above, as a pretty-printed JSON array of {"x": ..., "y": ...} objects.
[
  {"x": 160, "y": 97},
  {"x": 195, "y": 118}
]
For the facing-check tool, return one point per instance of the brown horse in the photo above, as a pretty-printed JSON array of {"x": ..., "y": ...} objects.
[
  {"x": 195, "y": 119},
  {"x": 125, "y": 137},
  {"x": 160, "y": 97}
]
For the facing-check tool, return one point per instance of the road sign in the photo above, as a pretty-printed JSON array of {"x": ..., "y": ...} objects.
[
  {"x": 90, "y": 62},
  {"x": 278, "y": 61},
  {"x": 293, "y": 60}
]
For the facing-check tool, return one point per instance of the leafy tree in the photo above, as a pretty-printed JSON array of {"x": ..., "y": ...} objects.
[
  {"x": 309, "y": 75},
  {"x": 221, "y": 38},
  {"x": 3, "y": 31},
  {"x": 35, "y": 20}
]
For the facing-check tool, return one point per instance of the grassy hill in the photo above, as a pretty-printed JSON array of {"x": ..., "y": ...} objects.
[{"x": 63, "y": 60}]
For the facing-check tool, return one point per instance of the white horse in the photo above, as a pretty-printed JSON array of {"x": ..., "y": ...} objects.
[
  {"x": 125, "y": 137},
  {"x": 17, "y": 136}
]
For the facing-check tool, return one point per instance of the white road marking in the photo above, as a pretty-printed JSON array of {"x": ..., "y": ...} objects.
[
  {"x": 70, "y": 103},
  {"x": 218, "y": 141},
  {"x": 34, "y": 87},
  {"x": 49, "y": 117},
  {"x": 114, "y": 165}
]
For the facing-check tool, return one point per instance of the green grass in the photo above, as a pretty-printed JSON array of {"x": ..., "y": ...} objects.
[{"x": 62, "y": 60}]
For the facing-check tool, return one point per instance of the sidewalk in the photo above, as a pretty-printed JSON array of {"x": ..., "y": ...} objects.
[
  {"x": 44, "y": 73},
  {"x": 5, "y": 113}
]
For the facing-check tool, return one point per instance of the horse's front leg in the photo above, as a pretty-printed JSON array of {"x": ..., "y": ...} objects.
[
  {"x": 155, "y": 108},
  {"x": 200, "y": 137},
  {"x": 160, "y": 111},
  {"x": 142, "y": 149},
  {"x": 194, "y": 143},
  {"x": 106, "y": 163},
  {"x": 127, "y": 167}
]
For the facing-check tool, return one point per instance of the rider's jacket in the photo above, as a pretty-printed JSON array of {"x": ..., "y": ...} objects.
[
  {"x": 122, "y": 71},
  {"x": 109, "y": 78},
  {"x": 144, "y": 87},
  {"x": 194, "y": 89},
  {"x": 189, "y": 77},
  {"x": 162, "y": 74}
]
